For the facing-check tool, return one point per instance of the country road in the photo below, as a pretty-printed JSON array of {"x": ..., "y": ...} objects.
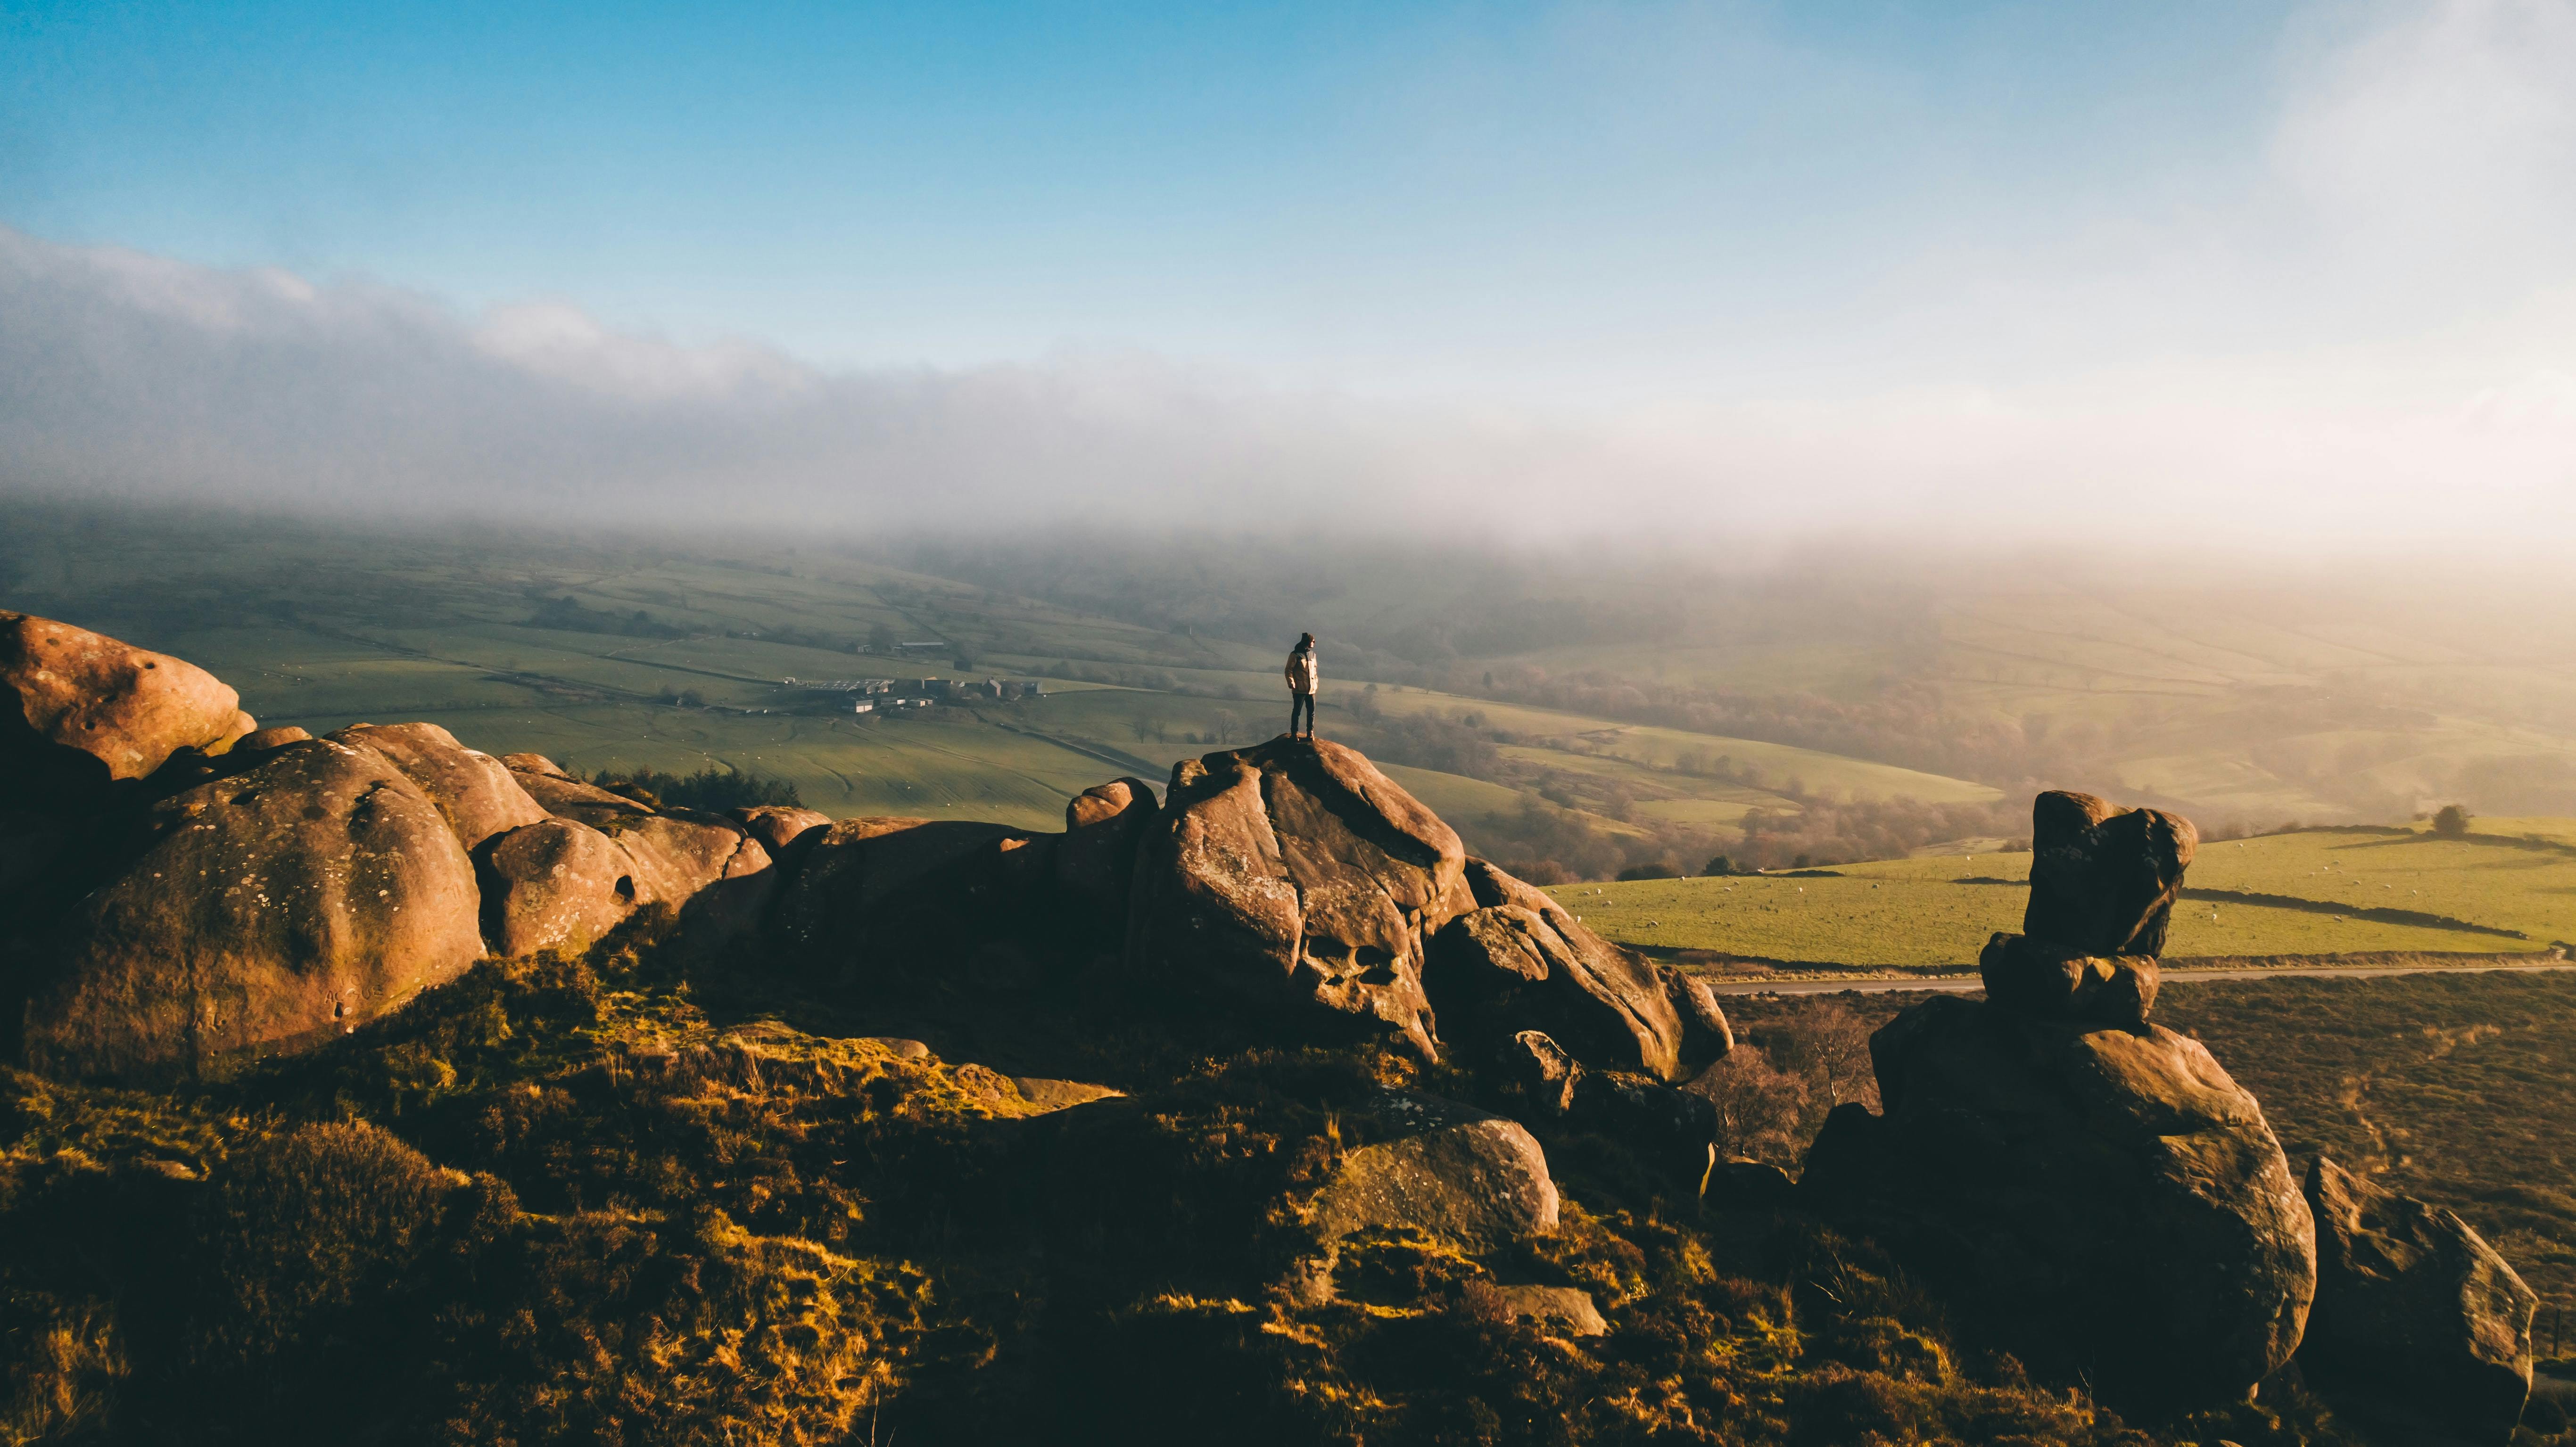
[{"x": 1963, "y": 983}]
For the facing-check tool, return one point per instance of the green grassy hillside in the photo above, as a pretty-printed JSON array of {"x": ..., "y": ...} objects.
[{"x": 2318, "y": 892}]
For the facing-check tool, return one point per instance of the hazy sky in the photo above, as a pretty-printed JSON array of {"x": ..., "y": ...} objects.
[{"x": 2241, "y": 272}]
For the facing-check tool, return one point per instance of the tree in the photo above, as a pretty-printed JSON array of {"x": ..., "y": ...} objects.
[
  {"x": 1718, "y": 866},
  {"x": 2452, "y": 822}
]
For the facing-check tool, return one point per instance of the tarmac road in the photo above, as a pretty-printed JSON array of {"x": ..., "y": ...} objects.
[{"x": 1965, "y": 983}]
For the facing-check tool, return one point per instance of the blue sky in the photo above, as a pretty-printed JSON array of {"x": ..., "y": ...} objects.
[
  {"x": 1801, "y": 262},
  {"x": 1315, "y": 187}
]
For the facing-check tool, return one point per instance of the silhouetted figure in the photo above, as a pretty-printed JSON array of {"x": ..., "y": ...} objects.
[{"x": 1301, "y": 685}]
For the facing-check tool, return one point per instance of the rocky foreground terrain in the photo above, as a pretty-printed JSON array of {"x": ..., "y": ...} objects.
[{"x": 372, "y": 1088}]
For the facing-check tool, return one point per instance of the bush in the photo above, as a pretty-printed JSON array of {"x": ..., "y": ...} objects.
[
  {"x": 1656, "y": 870},
  {"x": 708, "y": 788},
  {"x": 2452, "y": 822}
]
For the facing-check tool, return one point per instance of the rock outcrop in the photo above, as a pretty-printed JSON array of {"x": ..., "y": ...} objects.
[
  {"x": 79, "y": 710},
  {"x": 268, "y": 911},
  {"x": 1520, "y": 961},
  {"x": 2415, "y": 1312},
  {"x": 1297, "y": 877},
  {"x": 2108, "y": 1198},
  {"x": 1447, "y": 1169},
  {"x": 1673, "y": 1131},
  {"x": 2092, "y": 1183}
]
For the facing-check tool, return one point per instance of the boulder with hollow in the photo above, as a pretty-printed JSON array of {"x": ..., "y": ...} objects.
[
  {"x": 264, "y": 912},
  {"x": 2415, "y": 1312},
  {"x": 473, "y": 790},
  {"x": 556, "y": 884},
  {"x": 79, "y": 710},
  {"x": 2106, "y": 1199},
  {"x": 1296, "y": 877}
]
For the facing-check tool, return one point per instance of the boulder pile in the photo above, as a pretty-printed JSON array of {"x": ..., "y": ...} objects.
[{"x": 2091, "y": 1183}]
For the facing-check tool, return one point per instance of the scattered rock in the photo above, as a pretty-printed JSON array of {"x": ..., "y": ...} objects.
[
  {"x": 1749, "y": 1185},
  {"x": 554, "y": 885},
  {"x": 260, "y": 741},
  {"x": 270, "y": 911},
  {"x": 903, "y": 1049},
  {"x": 2103, "y": 879},
  {"x": 1295, "y": 875},
  {"x": 1561, "y": 1308},
  {"x": 2415, "y": 1309},
  {"x": 1449, "y": 1170},
  {"x": 2109, "y": 1199},
  {"x": 1051, "y": 1095},
  {"x": 533, "y": 764},
  {"x": 1538, "y": 1073},
  {"x": 79, "y": 710},
  {"x": 2049, "y": 982},
  {"x": 474, "y": 790}
]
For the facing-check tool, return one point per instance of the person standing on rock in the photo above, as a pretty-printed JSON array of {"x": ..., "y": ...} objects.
[{"x": 1301, "y": 684}]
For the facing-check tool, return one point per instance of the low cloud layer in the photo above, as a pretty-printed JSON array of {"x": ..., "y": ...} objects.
[{"x": 139, "y": 377}]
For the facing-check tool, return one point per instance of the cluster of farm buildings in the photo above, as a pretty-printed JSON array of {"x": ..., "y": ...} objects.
[{"x": 867, "y": 695}]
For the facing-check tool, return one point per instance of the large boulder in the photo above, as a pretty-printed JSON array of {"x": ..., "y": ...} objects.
[
  {"x": 1095, "y": 861},
  {"x": 1295, "y": 876},
  {"x": 556, "y": 884},
  {"x": 79, "y": 710},
  {"x": 783, "y": 829},
  {"x": 875, "y": 891},
  {"x": 569, "y": 798},
  {"x": 265, "y": 912},
  {"x": 1674, "y": 1132},
  {"x": 2103, "y": 879},
  {"x": 2107, "y": 1199},
  {"x": 1520, "y": 961},
  {"x": 2416, "y": 1310},
  {"x": 474, "y": 790},
  {"x": 1442, "y": 1168}
]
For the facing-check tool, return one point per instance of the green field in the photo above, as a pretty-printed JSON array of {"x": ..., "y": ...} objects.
[{"x": 2323, "y": 888}]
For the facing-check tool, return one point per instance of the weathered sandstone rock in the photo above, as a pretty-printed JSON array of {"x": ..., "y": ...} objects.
[
  {"x": 1095, "y": 861},
  {"x": 779, "y": 827},
  {"x": 875, "y": 891},
  {"x": 1564, "y": 1309},
  {"x": 2108, "y": 1199},
  {"x": 556, "y": 884},
  {"x": 260, "y": 741},
  {"x": 1521, "y": 961},
  {"x": 78, "y": 709},
  {"x": 533, "y": 764},
  {"x": 1447, "y": 1169},
  {"x": 2415, "y": 1309},
  {"x": 270, "y": 910},
  {"x": 1296, "y": 876},
  {"x": 2048, "y": 982},
  {"x": 474, "y": 790},
  {"x": 2102, "y": 878},
  {"x": 569, "y": 798},
  {"x": 1674, "y": 1132}
]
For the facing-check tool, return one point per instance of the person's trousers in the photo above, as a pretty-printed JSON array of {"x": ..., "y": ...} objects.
[{"x": 1301, "y": 703}]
